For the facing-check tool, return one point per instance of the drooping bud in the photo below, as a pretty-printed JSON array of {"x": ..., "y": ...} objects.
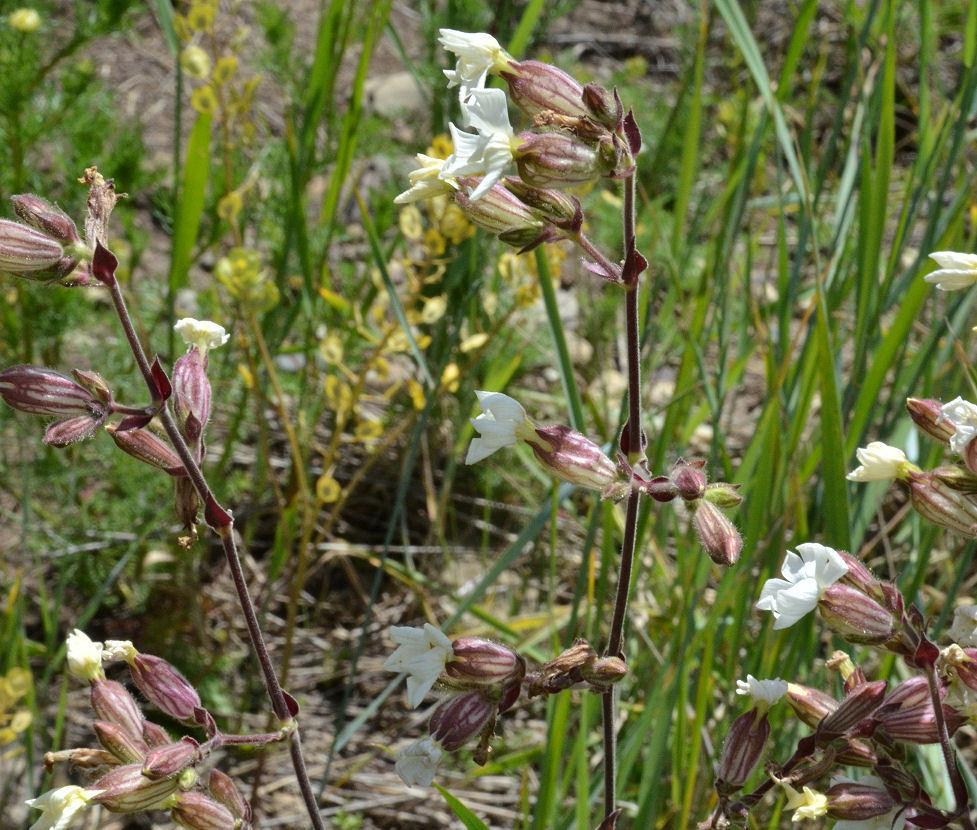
[
  {"x": 498, "y": 210},
  {"x": 114, "y": 704},
  {"x": 167, "y": 761},
  {"x": 854, "y": 616},
  {"x": 742, "y": 751},
  {"x": 460, "y": 718},
  {"x": 129, "y": 749},
  {"x": 854, "y": 801},
  {"x": 717, "y": 533},
  {"x": 47, "y": 218},
  {"x": 539, "y": 87},
  {"x": 42, "y": 391},
  {"x": 927, "y": 414},
  {"x": 187, "y": 503},
  {"x": 856, "y": 706},
  {"x": 126, "y": 790},
  {"x": 164, "y": 686},
  {"x": 558, "y": 160},
  {"x": 942, "y": 505},
  {"x": 223, "y": 788},
  {"x": 143, "y": 445},
  {"x": 196, "y": 811},
  {"x": 476, "y": 662},
  {"x": 29, "y": 253},
  {"x": 574, "y": 458}
]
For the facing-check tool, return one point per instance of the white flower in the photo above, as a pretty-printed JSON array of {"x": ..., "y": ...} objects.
[
  {"x": 503, "y": 422},
  {"x": 59, "y": 806},
  {"x": 84, "y": 656},
  {"x": 425, "y": 181},
  {"x": 488, "y": 152},
  {"x": 805, "y": 579},
  {"x": 478, "y": 54},
  {"x": 417, "y": 763},
  {"x": 956, "y": 271},
  {"x": 119, "y": 650},
  {"x": 762, "y": 691},
  {"x": 963, "y": 631},
  {"x": 879, "y": 461},
  {"x": 422, "y": 653},
  {"x": 201, "y": 333},
  {"x": 806, "y": 804},
  {"x": 963, "y": 415}
]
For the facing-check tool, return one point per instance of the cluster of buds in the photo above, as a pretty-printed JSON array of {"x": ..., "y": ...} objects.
[
  {"x": 45, "y": 246},
  {"x": 479, "y": 680},
  {"x": 577, "y": 134},
  {"x": 138, "y": 765}
]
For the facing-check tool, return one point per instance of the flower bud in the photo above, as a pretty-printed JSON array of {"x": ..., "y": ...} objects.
[
  {"x": 559, "y": 160},
  {"x": 962, "y": 662},
  {"x": 717, "y": 533},
  {"x": 71, "y": 430},
  {"x": 476, "y": 662},
  {"x": 191, "y": 395},
  {"x": 46, "y": 392},
  {"x": 942, "y": 505},
  {"x": 114, "y": 704},
  {"x": 927, "y": 414},
  {"x": 956, "y": 477},
  {"x": 27, "y": 252},
  {"x": 723, "y": 495},
  {"x": 47, "y": 218},
  {"x": 223, "y": 789},
  {"x": 126, "y": 790},
  {"x": 196, "y": 811},
  {"x": 741, "y": 751},
  {"x": 143, "y": 445},
  {"x": 460, "y": 718},
  {"x": 689, "y": 479},
  {"x": 538, "y": 87},
  {"x": 908, "y": 715},
  {"x": 129, "y": 749},
  {"x": 94, "y": 383},
  {"x": 604, "y": 671},
  {"x": 155, "y": 735},
  {"x": 498, "y": 210},
  {"x": 855, "y": 707},
  {"x": 552, "y": 205},
  {"x": 602, "y": 106},
  {"x": 810, "y": 705},
  {"x": 167, "y": 761},
  {"x": 576, "y": 459},
  {"x": 854, "y": 616},
  {"x": 186, "y": 501},
  {"x": 164, "y": 686},
  {"x": 852, "y": 801}
]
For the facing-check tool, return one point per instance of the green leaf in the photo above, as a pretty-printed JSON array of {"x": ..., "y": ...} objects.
[
  {"x": 196, "y": 172},
  {"x": 468, "y": 818}
]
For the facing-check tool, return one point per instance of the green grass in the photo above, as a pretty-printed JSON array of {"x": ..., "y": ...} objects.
[{"x": 788, "y": 199}]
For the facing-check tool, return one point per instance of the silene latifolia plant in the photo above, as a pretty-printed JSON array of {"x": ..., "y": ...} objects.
[{"x": 519, "y": 186}]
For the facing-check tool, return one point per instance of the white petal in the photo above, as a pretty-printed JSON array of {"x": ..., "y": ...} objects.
[
  {"x": 417, "y": 763},
  {"x": 955, "y": 261}
]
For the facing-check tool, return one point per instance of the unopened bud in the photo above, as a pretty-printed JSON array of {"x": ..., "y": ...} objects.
[
  {"x": 851, "y": 801},
  {"x": 29, "y": 253},
  {"x": 810, "y": 705},
  {"x": 552, "y": 205},
  {"x": 143, "y": 445},
  {"x": 604, "y": 671},
  {"x": 498, "y": 210},
  {"x": 558, "y": 160},
  {"x": 856, "y": 706},
  {"x": 155, "y": 735},
  {"x": 127, "y": 748},
  {"x": 167, "y": 761},
  {"x": 71, "y": 430},
  {"x": 46, "y": 392},
  {"x": 114, "y": 704},
  {"x": 927, "y": 414},
  {"x": 723, "y": 495},
  {"x": 574, "y": 458},
  {"x": 191, "y": 395},
  {"x": 689, "y": 479},
  {"x": 460, "y": 718},
  {"x": 45, "y": 217},
  {"x": 196, "y": 811},
  {"x": 854, "y": 616},
  {"x": 186, "y": 501},
  {"x": 476, "y": 662},
  {"x": 94, "y": 383},
  {"x": 942, "y": 505},
  {"x": 908, "y": 715},
  {"x": 603, "y": 106},
  {"x": 223, "y": 788},
  {"x": 539, "y": 87},
  {"x": 717, "y": 533},
  {"x": 164, "y": 686},
  {"x": 126, "y": 790},
  {"x": 956, "y": 477},
  {"x": 742, "y": 751}
]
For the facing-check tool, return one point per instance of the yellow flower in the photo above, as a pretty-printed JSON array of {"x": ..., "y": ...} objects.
[
  {"x": 441, "y": 146},
  {"x": 368, "y": 430},
  {"x": 230, "y": 206},
  {"x": 416, "y": 392},
  {"x": 24, "y": 20},
  {"x": 195, "y": 61},
  {"x": 450, "y": 377},
  {"x": 200, "y": 18},
  {"x": 473, "y": 342},
  {"x": 331, "y": 349},
  {"x": 434, "y": 241},
  {"x": 225, "y": 69},
  {"x": 409, "y": 222},
  {"x": 327, "y": 489},
  {"x": 434, "y": 309},
  {"x": 203, "y": 100}
]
